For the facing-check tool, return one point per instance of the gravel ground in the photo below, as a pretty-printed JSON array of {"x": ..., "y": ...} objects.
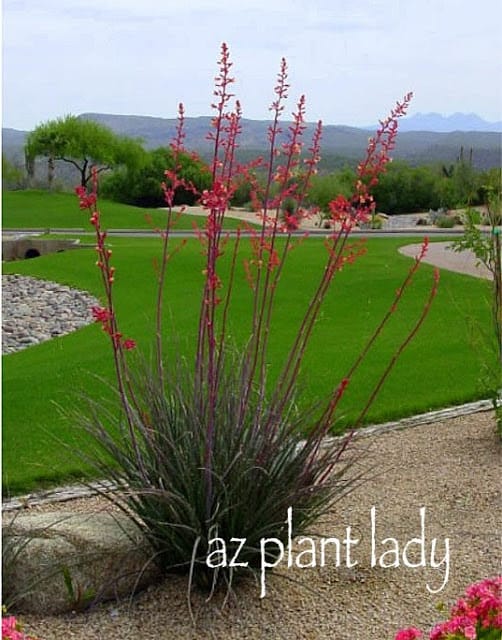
[{"x": 452, "y": 468}]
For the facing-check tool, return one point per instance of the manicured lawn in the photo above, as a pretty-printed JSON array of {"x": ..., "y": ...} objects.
[
  {"x": 440, "y": 367},
  {"x": 45, "y": 210}
]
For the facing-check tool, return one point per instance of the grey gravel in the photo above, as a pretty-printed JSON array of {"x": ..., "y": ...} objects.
[{"x": 34, "y": 311}]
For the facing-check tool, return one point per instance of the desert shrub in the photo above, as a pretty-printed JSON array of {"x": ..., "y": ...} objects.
[
  {"x": 241, "y": 196},
  {"x": 445, "y": 222},
  {"x": 325, "y": 188},
  {"x": 374, "y": 222},
  {"x": 487, "y": 248},
  {"x": 207, "y": 451}
]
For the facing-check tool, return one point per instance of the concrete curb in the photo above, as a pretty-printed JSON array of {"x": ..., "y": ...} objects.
[{"x": 72, "y": 492}]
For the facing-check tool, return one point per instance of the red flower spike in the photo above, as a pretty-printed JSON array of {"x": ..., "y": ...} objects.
[
  {"x": 423, "y": 250},
  {"x": 100, "y": 314}
]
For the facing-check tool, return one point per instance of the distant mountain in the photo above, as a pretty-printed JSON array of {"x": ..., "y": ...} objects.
[
  {"x": 340, "y": 144},
  {"x": 442, "y": 124},
  {"x": 12, "y": 140},
  {"x": 156, "y": 132}
]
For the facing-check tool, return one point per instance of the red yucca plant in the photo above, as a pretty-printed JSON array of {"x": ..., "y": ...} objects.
[{"x": 206, "y": 447}]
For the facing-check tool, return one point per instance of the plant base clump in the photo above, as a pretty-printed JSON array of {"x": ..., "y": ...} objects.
[{"x": 261, "y": 465}]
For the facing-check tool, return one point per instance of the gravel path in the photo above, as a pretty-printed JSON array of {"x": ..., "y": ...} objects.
[
  {"x": 450, "y": 468},
  {"x": 441, "y": 255}
]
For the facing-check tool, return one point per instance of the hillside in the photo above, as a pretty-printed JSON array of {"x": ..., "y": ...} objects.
[
  {"x": 416, "y": 147},
  {"x": 339, "y": 143}
]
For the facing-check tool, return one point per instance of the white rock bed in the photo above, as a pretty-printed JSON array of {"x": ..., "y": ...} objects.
[{"x": 34, "y": 311}]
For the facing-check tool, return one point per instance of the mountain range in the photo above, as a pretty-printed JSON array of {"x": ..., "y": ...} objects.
[
  {"x": 340, "y": 144},
  {"x": 442, "y": 124}
]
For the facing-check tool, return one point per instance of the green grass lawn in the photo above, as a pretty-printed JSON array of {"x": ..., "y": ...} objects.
[
  {"x": 33, "y": 209},
  {"x": 440, "y": 367}
]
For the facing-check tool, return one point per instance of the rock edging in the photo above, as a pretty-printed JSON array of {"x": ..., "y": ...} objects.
[{"x": 63, "y": 561}]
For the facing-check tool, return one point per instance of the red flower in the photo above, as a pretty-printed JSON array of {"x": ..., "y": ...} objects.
[
  {"x": 339, "y": 208},
  {"x": 292, "y": 222},
  {"x": 216, "y": 198},
  {"x": 100, "y": 314},
  {"x": 87, "y": 201}
]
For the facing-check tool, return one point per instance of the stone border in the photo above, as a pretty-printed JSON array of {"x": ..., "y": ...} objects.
[{"x": 73, "y": 492}]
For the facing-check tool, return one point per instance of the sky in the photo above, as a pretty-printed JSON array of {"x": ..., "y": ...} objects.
[{"x": 351, "y": 58}]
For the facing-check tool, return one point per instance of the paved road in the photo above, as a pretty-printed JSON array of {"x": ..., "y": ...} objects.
[
  {"x": 400, "y": 233},
  {"x": 440, "y": 255}
]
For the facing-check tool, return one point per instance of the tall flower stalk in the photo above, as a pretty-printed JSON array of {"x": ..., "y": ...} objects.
[{"x": 216, "y": 448}]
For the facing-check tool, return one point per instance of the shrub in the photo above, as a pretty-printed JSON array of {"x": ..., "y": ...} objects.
[
  {"x": 207, "y": 452},
  {"x": 241, "y": 197},
  {"x": 487, "y": 248},
  {"x": 405, "y": 189},
  {"x": 325, "y": 188},
  {"x": 375, "y": 222},
  {"x": 445, "y": 222},
  {"x": 472, "y": 217}
]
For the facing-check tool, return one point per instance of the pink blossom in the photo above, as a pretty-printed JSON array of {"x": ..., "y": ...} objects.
[
  {"x": 292, "y": 222},
  {"x": 86, "y": 201},
  {"x": 11, "y": 630},
  {"x": 216, "y": 198},
  {"x": 408, "y": 634},
  {"x": 472, "y": 617}
]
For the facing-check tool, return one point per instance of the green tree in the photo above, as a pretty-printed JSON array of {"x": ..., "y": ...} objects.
[
  {"x": 405, "y": 189},
  {"x": 141, "y": 185},
  {"x": 84, "y": 144}
]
